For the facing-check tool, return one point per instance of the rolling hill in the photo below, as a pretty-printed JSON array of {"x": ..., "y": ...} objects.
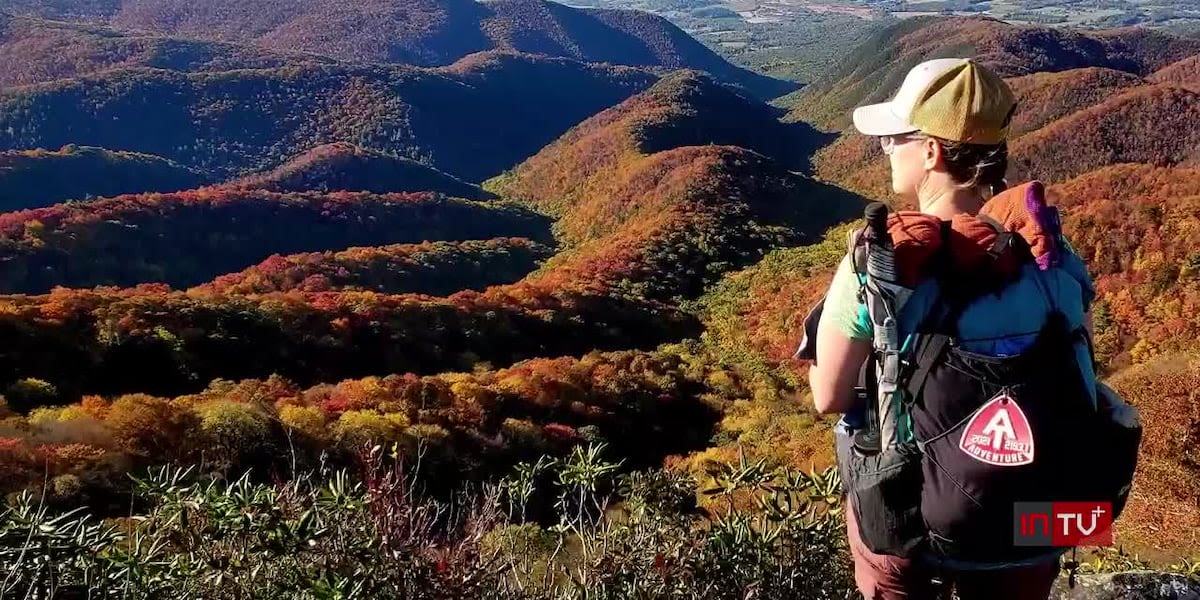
[
  {"x": 422, "y": 32},
  {"x": 34, "y": 50},
  {"x": 343, "y": 166},
  {"x": 36, "y": 178},
  {"x": 433, "y": 268},
  {"x": 573, "y": 177},
  {"x": 1157, "y": 124},
  {"x": 188, "y": 238},
  {"x": 874, "y": 70},
  {"x": 665, "y": 192},
  {"x": 1043, "y": 98},
  {"x": 1185, "y": 73},
  {"x": 463, "y": 119}
]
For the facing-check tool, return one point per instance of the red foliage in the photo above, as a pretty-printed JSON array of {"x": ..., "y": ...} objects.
[{"x": 1043, "y": 98}]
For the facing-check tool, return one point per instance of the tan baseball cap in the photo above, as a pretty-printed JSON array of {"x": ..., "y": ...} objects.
[{"x": 954, "y": 99}]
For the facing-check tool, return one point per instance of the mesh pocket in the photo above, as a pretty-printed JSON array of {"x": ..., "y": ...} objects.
[{"x": 885, "y": 493}]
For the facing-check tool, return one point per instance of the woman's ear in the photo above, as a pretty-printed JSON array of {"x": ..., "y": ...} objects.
[{"x": 933, "y": 153}]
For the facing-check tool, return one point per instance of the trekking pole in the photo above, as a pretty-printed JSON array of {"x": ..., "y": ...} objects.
[{"x": 886, "y": 295}]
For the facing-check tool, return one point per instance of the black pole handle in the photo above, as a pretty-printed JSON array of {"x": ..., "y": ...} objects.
[{"x": 876, "y": 215}]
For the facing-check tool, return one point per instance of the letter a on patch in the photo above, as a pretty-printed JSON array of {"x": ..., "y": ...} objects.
[{"x": 999, "y": 434}]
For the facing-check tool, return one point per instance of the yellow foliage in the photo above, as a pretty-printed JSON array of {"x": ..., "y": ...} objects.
[
  {"x": 358, "y": 427},
  {"x": 44, "y": 416},
  {"x": 308, "y": 420}
]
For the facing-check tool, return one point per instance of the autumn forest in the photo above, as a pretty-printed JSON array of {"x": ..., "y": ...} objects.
[{"x": 260, "y": 237}]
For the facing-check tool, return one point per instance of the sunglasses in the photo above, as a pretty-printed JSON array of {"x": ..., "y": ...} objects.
[{"x": 889, "y": 142}]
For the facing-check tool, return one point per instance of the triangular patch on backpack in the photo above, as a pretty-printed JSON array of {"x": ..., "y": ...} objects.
[{"x": 999, "y": 434}]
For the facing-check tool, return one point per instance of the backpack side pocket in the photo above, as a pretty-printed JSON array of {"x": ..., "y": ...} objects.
[{"x": 885, "y": 493}]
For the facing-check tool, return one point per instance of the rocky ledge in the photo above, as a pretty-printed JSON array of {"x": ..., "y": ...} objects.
[{"x": 1129, "y": 585}]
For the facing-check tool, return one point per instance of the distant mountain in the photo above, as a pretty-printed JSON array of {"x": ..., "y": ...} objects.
[
  {"x": 472, "y": 119},
  {"x": 654, "y": 196},
  {"x": 34, "y": 50},
  {"x": 1185, "y": 73},
  {"x": 875, "y": 70},
  {"x": 188, "y": 238},
  {"x": 343, "y": 166},
  {"x": 434, "y": 268},
  {"x": 35, "y": 178},
  {"x": 420, "y": 32}
]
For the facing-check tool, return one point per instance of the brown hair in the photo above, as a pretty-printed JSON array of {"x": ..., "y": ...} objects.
[{"x": 977, "y": 165}]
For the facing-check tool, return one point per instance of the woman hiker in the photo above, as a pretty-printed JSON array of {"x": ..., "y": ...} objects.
[{"x": 944, "y": 134}]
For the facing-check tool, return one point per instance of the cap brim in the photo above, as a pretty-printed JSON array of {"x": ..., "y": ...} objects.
[{"x": 880, "y": 119}]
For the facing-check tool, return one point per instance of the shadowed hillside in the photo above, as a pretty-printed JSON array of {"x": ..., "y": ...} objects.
[
  {"x": 875, "y": 70},
  {"x": 423, "y": 32},
  {"x": 433, "y": 268},
  {"x": 342, "y": 166},
  {"x": 35, "y": 178},
  {"x": 34, "y": 50},
  {"x": 188, "y": 238},
  {"x": 463, "y": 120}
]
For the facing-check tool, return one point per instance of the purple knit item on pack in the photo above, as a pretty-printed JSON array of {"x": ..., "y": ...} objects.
[{"x": 1047, "y": 217}]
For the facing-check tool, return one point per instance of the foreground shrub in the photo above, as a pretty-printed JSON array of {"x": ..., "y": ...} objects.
[{"x": 328, "y": 535}]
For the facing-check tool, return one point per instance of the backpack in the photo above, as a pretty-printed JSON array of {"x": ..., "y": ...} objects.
[{"x": 981, "y": 426}]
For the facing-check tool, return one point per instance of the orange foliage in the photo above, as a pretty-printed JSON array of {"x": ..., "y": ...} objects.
[
  {"x": 856, "y": 162},
  {"x": 645, "y": 404},
  {"x": 1185, "y": 73},
  {"x": 170, "y": 342},
  {"x": 1163, "y": 513},
  {"x": 1043, "y": 98},
  {"x": 1136, "y": 228},
  {"x": 1157, "y": 124}
]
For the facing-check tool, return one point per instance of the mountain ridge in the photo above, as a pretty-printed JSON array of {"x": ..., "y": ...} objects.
[
  {"x": 426, "y": 32},
  {"x": 434, "y": 116}
]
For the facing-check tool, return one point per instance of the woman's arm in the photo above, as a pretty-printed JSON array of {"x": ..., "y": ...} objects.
[
  {"x": 834, "y": 377},
  {"x": 843, "y": 345}
]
